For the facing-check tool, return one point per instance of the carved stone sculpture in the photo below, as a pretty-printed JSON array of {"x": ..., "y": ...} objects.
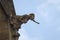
[{"x": 10, "y": 23}]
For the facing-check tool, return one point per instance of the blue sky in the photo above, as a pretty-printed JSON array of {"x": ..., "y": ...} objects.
[{"x": 47, "y": 13}]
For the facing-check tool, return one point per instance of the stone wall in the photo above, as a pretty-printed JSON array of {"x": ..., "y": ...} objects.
[{"x": 4, "y": 32}]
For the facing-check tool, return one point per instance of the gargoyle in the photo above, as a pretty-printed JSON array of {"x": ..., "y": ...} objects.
[
  {"x": 17, "y": 21},
  {"x": 14, "y": 21}
]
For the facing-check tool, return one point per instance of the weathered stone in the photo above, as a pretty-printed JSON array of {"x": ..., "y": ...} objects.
[{"x": 10, "y": 23}]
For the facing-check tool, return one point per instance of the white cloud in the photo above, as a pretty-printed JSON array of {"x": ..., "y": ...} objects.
[
  {"x": 56, "y": 3},
  {"x": 25, "y": 36},
  {"x": 43, "y": 12},
  {"x": 53, "y": 1},
  {"x": 46, "y": 11}
]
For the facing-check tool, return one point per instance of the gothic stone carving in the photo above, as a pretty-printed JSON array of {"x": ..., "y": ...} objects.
[{"x": 15, "y": 21}]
